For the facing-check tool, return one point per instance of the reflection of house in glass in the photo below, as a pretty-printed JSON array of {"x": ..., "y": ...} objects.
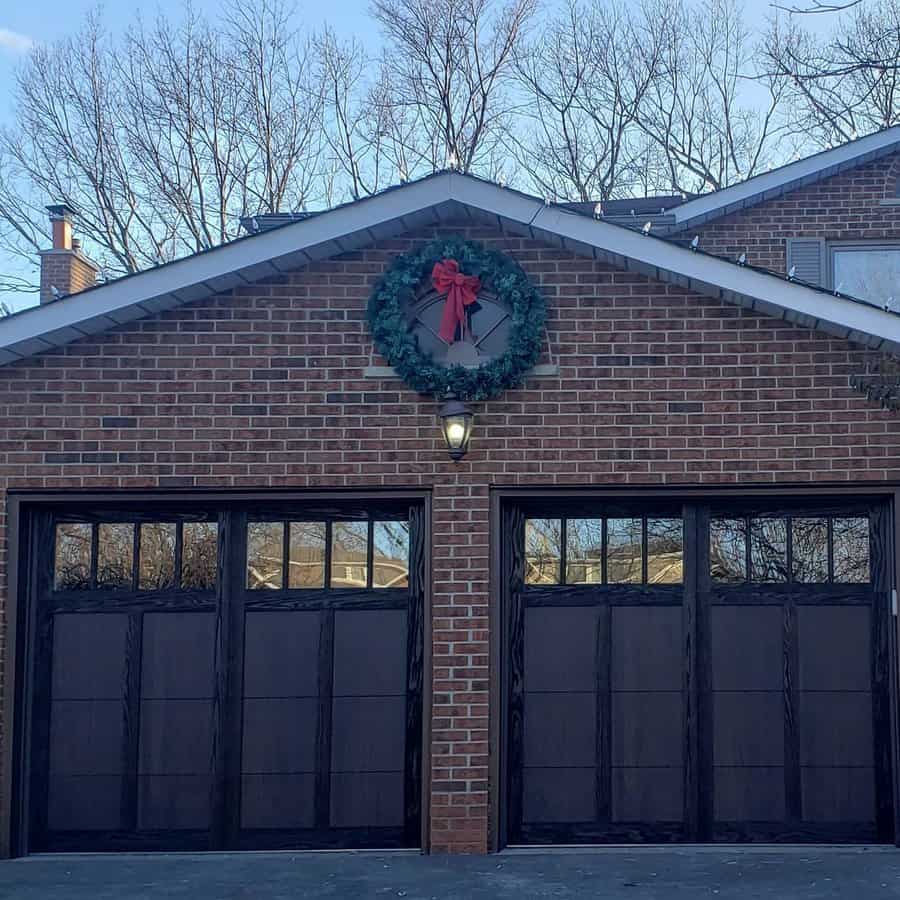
[
  {"x": 610, "y": 551},
  {"x": 350, "y": 566}
]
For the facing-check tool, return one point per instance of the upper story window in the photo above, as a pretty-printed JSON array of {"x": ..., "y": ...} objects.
[{"x": 870, "y": 272}]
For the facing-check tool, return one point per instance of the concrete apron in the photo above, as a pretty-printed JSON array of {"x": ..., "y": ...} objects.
[{"x": 603, "y": 873}]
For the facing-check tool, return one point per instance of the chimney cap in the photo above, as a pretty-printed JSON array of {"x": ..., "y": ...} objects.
[{"x": 61, "y": 211}]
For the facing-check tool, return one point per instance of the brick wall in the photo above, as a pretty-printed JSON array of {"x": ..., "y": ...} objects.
[
  {"x": 846, "y": 207},
  {"x": 265, "y": 387}
]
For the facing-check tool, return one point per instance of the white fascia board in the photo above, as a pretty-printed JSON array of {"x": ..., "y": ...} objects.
[
  {"x": 771, "y": 184},
  {"x": 719, "y": 277},
  {"x": 119, "y": 298}
]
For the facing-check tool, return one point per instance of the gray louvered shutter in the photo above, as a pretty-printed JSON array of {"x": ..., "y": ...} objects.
[{"x": 807, "y": 257}]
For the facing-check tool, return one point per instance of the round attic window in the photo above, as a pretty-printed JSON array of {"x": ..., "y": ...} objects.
[{"x": 484, "y": 338}]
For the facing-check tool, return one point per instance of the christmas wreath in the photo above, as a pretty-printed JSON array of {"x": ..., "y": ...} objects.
[{"x": 460, "y": 269}]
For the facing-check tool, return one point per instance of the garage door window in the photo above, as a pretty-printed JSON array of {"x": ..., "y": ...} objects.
[
  {"x": 356, "y": 554},
  {"x": 779, "y": 549},
  {"x": 634, "y": 550},
  {"x": 149, "y": 556}
]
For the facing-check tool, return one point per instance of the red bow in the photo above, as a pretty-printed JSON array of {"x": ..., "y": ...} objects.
[{"x": 461, "y": 290}]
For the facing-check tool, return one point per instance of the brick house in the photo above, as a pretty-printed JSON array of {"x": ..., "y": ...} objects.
[{"x": 250, "y": 601}]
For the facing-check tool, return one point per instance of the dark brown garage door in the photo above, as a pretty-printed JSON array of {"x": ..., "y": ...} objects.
[
  {"x": 698, "y": 672},
  {"x": 233, "y": 679}
]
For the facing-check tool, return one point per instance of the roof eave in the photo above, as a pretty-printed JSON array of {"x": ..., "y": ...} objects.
[{"x": 783, "y": 180}]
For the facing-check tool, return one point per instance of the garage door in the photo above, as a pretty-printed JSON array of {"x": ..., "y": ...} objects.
[
  {"x": 714, "y": 672},
  {"x": 239, "y": 679}
]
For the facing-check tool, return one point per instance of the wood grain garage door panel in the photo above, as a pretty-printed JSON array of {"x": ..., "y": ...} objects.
[
  {"x": 182, "y": 705},
  {"x": 749, "y": 702}
]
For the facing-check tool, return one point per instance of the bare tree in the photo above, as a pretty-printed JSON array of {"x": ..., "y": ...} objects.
[
  {"x": 584, "y": 79},
  {"x": 700, "y": 113},
  {"x": 445, "y": 77},
  {"x": 845, "y": 85},
  {"x": 354, "y": 138},
  {"x": 163, "y": 140},
  {"x": 281, "y": 142}
]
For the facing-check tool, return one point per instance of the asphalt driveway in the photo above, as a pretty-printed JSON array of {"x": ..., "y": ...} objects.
[{"x": 608, "y": 874}]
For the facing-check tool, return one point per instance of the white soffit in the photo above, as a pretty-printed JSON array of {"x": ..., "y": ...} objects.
[{"x": 421, "y": 203}]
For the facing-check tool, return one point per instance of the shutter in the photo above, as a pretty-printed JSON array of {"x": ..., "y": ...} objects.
[{"x": 807, "y": 257}]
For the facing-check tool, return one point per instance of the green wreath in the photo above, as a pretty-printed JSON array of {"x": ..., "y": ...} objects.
[{"x": 390, "y": 328}]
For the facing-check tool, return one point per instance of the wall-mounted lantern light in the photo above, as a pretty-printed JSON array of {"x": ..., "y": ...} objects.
[{"x": 456, "y": 426}]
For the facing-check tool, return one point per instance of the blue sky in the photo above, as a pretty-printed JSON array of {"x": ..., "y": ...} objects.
[{"x": 31, "y": 21}]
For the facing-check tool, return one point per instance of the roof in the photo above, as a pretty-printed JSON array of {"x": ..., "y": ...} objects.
[
  {"x": 628, "y": 206},
  {"x": 784, "y": 179},
  {"x": 444, "y": 196}
]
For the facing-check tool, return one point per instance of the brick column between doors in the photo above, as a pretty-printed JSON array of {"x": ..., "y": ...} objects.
[{"x": 460, "y": 667}]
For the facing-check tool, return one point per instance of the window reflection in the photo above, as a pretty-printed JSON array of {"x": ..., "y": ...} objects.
[
  {"x": 584, "y": 551},
  {"x": 623, "y": 551},
  {"x": 306, "y": 568},
  {"x": 115, "y": 554},
  {"x": 349, "y": 554},
  {"x": 157, "y": 556},
  {"x": 265, "y": 555},
  {"x": 851, "y": 550},
  {"x": 869, "y": 273},
  {"x": 728, "y": 550},
  {"x": 390, "y": 548},
  {"x": 199, "y": 554},
  {"x": 768, "y": 550},
  {"x": 542, "y": 550},
  {"x": 665, "y": 551},
  {"x": 809, "y": 549},
  {"x": 72, "y": 563}
]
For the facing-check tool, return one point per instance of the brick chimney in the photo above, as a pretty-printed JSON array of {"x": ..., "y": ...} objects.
[{"x": 64, "y": 268}]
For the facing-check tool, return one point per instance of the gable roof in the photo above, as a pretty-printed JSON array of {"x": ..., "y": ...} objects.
[
  {"x": 441, "y": 197},
  {"x": 784, "y": 179}
]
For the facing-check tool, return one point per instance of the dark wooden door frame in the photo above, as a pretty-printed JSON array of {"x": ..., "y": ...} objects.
[
  {"x": 503, "y": 498},
  {"x": 23, "y": 516}
]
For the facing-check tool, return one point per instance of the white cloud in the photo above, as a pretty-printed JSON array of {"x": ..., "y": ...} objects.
[{"x": 14, "y": 42}]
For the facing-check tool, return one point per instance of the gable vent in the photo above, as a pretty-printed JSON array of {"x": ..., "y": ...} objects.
[{"x": 807, "y": 257}]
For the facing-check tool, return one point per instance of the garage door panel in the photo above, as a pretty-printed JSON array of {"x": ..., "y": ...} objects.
[
  {"x": 86, "y": 737},
  {"x": 281, "y": 653},
  {"x": 85, "y": 803},
  {"x": 561, "y": 730},
  {"x": 367, "y": 800},
  {"x": 89, "y": 656},
  {"x": 838, "y": 793},
  {"x": 178, "y": 653},
  {"x": 748, "y": 728},
  {"x": 749, "y": 794},
  {"x": 835, "y": 651},
  {"x": 278, "y": 800},
  {"x": 175, "y": 737},
  {"x": 368, "y": 734},
  {"x": 561, "y": 648},
  {"x": 647, "y": 729},
  {"x": 280, "y": 735},
  {"x": 560, "y": 794},
  {"x": 747, "y": 648},
  {"x": 648, "y": 794},
  {"x": 835, "y": 728},
  {"x": 369, "y": 652},
  {"x": 646, "y": 647},
  {"x": 173, "y": 802}
]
